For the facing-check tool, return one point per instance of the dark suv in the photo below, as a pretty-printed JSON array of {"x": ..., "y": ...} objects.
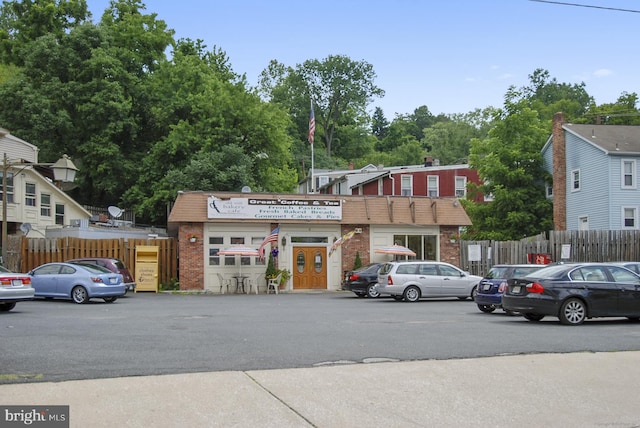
[
  {"x": 114, "y": 265},
  {"x": 493, "y": 285}
]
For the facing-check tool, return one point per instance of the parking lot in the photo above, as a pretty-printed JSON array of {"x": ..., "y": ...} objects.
[{"x": 151, "y": 334}]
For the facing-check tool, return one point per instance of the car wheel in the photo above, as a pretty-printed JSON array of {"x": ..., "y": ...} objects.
[
  {"x": 534, "y": 317},
  {"x": 79, "y": 294},
  {"x": 412, "y": 294},
  {"x": 573, "y": 312},
  {"x": 398, "y": 298},
  {"x": 6, "y": 307},
  {"x": 372, "y": 291},
  {"x": 110, "y": 299},
  {"x": 487, "y": 309}
]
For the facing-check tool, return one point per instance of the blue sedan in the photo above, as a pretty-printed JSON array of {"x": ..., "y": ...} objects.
[{"x": 76, "y": 281}]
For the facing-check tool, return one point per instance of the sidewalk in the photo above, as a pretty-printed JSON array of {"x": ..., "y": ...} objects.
[{"x": 545, "y": 390}]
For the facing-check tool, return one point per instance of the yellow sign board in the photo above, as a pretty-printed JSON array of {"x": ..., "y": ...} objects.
[{"x": 147, "y": 268}]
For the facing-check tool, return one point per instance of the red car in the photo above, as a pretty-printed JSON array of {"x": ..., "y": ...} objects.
[{"x": 114, "y": 265}]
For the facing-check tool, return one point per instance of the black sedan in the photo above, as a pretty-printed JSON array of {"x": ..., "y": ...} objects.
[
  {"x": 575, "y": 292},
  {"x": 363, "y": 281}
]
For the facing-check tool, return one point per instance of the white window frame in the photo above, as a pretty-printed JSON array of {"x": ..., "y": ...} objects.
[
  {"x": 406, "y": 185},
  {"x": 576, "y": 180},
  {"x": 461, "y": 186},
  {"x": 433, "y": 179},
  {"x": 633, "y": 217},
  {"x": 624, "y": 174},
  {"x": 30, "y": 194},
  {"x": 45, "y": 204}
]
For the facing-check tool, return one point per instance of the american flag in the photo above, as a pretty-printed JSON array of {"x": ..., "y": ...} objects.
[
  {"x": 273, "y": 237},
  {"x": 312, "y": 125}
]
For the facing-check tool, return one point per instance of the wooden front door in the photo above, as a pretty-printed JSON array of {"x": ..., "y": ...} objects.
[{"x": 310, "y": 267}]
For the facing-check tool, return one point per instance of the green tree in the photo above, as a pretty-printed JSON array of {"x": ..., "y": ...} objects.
[
  {"x": 449, "y": 141},
  {"x": 622, "y": 112},
  {"x": 338, "y": 87},
  {"x": 22, "y": 22},
  {"x": 547, "y": 96},
  {"x": 85, "y": 93},
  {"x": 219, "y": 136},
  {"x": 379, "y": 124},
  {"x": 511, "y": 166},
  {"x": 357, "y": 264}
]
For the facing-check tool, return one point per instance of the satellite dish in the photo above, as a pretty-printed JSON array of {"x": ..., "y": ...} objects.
[
  {"x": 25, "y": 228},
  {"x": 115, "y": 211},
  {"x": 246, "y": 189}
]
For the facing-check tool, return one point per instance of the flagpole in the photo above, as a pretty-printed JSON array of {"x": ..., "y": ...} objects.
[
  {"x": 310, "y": 135},
  {"x": 313, "y": 180}
]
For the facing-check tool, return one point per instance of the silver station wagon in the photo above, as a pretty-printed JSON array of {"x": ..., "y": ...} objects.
[{"x": 412, "y": 280}]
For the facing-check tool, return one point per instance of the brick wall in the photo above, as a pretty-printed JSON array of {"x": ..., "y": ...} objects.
[
  {"x": 358, "y": 244},
  {"x": 191, "y": 256},
  {"x": 559, "y": 173},
  {"x": 450, "y": 251}
]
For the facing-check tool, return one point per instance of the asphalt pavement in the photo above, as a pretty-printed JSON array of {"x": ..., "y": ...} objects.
[{"x": 534, "y": 390}]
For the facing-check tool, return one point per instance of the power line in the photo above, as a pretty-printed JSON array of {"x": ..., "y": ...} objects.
[{"x": 587, "y": 5}]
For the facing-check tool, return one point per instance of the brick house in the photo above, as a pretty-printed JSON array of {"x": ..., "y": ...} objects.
[
  {"x": 207, "y": 222},
  {"x": 429, "y": 179}
]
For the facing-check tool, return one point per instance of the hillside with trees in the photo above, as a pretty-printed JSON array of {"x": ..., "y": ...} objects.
[{"x": 144, "y": 115}]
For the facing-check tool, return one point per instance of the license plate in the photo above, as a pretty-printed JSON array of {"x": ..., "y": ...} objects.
[
  {"x": 114, "y": 281},
  {"x": 516, "y": 289},
  {"x": 487, "y": 287},
  {"x": 16, "y": 282}
]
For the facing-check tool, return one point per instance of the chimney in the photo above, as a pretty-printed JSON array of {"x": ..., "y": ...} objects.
[
  {"x": 351, "y": 165},
  {"x": 559, "y": 173},
  {"x": 428, "y": 161}
]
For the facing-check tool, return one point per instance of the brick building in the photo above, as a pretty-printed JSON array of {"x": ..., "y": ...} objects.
[{"x": 308, "y": 225}]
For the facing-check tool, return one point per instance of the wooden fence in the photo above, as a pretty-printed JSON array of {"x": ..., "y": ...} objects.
[
  {"x": 477, "y": 257},
  {"x": 34, "y": 252}
]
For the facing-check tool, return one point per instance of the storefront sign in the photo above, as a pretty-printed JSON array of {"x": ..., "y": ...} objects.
[{"x": 274, "y": 209}]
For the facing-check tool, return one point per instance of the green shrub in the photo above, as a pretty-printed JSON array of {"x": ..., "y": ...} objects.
[{"x": 357, "y": 264}]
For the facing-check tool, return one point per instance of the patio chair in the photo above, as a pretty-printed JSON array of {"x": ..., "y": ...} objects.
[
  {"x": 223, "y": 283},
  {"x": 255, "y": 282},
  {"x": 274, "y": 283}
]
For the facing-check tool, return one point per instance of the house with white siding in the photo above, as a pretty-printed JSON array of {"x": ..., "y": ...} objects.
[{"x": 595, "y": 175}]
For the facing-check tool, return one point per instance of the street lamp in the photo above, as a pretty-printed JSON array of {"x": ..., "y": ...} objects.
[{"x": 63, "y": 170}]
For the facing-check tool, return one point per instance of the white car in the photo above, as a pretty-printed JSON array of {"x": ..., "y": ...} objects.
[
  {"x": 412, "y": 280},
  {"x": 14, "y": 287}
]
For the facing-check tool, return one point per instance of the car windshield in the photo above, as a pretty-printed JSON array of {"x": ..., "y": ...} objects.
[
  {"x": 497, "y": 272},
  {"x": 549, "y": 272},
  {"x": 525, "y": 270},
  {"x": 118, "y": 264},
  {"x": 93, "y": 268},
  {"x": 371, "y": 268}
]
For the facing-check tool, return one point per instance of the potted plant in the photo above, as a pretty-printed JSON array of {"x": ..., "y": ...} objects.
[
  {"x": 286, "y": 275},
  {"x": 271, "y": 271},
  {"x": 193, "y": 238}
]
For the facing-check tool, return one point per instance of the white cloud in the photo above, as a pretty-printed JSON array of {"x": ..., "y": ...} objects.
[{"x": 603, "y": 72}]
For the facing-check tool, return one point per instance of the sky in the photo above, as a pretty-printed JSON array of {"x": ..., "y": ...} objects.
[{"x": 452, "y": 56}]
